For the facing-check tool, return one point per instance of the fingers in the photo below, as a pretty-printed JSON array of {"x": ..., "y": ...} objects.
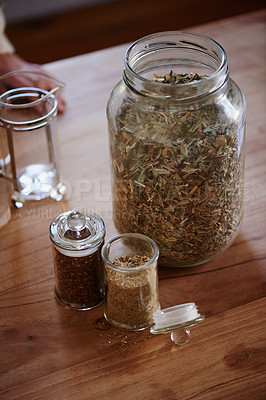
[
  {"x": 2, "y": 88},
  {"x": 48, "y": 85},
  {"x": 12, "y": 62},
  {"x": 61, "y": 104}
]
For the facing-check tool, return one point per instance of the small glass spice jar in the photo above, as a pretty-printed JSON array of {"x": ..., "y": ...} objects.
[
  {"x": 131, "y": 281},
  {"x": 79, "y": 274},
  {"x": 176, "y": 132}
]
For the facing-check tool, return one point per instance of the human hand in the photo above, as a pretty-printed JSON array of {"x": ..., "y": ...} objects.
[{"x": 12, "y": 62}]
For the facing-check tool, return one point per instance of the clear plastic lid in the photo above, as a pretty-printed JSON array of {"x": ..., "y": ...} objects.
[
  {"x": 77, "y": 234},
  {"x": 176, "y": 320}
]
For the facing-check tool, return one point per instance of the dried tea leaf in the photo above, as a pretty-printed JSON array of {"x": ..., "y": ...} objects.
[{"x": 177, "y": 176}]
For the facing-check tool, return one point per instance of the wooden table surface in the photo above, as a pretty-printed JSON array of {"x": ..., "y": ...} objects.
[{"x": 49, "y": 352}]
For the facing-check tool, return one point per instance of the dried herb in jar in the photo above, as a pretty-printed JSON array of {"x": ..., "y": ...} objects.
[
  {"x": 79, "y": 272},
  {"x": 131, "y": 294},
  {"x": 175, "y": 79},
  {"x": 177, "y": 175},
  {"x": 79, "y": 280}
]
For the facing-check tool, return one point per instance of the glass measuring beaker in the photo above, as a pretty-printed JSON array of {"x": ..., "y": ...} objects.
[{"x": 28, "y": 136}]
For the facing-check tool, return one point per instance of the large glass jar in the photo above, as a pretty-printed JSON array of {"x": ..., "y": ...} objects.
[{"x": 176, "y": 132}]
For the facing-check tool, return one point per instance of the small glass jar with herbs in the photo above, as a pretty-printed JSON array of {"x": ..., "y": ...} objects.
[
  {"x": 130, "y": 262},
  {"x": 77, "y": 240},
  {"x": 176, "y": 132}
]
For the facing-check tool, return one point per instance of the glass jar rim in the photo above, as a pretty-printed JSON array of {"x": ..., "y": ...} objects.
[
  {"x": 218, "y": 75},
  {"x": 140, "y": 236}
]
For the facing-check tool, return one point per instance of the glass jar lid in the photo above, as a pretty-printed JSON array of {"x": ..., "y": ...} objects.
[
  {"x": 176, "y": 320},
  {"x": 75, "y": 232}
]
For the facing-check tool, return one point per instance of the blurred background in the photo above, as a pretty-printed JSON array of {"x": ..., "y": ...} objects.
[{"x": 47, "y": 30}]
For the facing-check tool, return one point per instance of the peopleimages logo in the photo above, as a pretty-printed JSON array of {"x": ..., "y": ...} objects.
[
  {"x": 80, "y": 189},
  {"x": 97, "y": 195},
  {"x": 49, "y": 214}
]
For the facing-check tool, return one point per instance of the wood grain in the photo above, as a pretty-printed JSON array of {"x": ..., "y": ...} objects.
[{"x": 48, "y": 352}]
